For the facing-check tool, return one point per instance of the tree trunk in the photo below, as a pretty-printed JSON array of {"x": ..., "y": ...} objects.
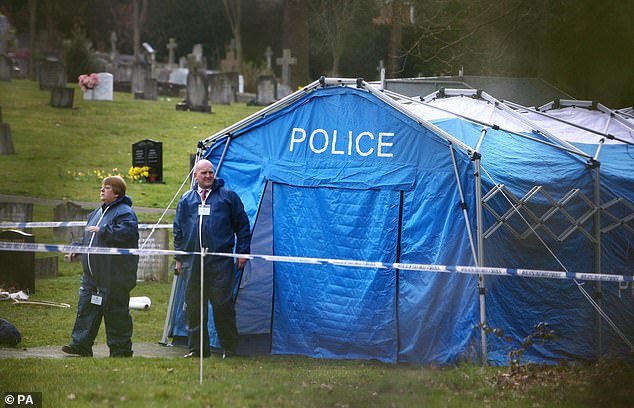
[
  {"x": 295, "y": 38},
  {"x": 32, "y": 31}
]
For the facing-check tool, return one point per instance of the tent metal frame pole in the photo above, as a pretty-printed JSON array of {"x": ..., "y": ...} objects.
[
  {"x": 598, "y": 290},
  {"x": 574, "y": 150},
  {"x": 596, "y": 132},
  {"x": 428, "y": 125},
  {"x": 463, "y": 205},
  {"x": 480, "y": 259}
]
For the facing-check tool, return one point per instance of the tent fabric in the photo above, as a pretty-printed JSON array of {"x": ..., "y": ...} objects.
[{"x": 341, "y": 174}]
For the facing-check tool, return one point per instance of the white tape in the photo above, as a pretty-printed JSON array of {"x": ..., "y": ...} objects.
[{"x": 473, "y": 270}]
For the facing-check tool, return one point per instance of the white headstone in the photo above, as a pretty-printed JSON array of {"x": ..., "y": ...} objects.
[
  {"x": 179, "y": 76},
  {"x": 104, "y": 88}
]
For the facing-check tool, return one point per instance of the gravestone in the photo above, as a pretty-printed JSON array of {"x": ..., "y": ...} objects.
[
  {"x": 104, "y": 90},
  {"x": 286, "y": 61},
  {"x": 171, "y": 46},
  {"x": 149, "y": 153},
  {"x": 153, "y": 267},
  {"x": 17, "y": 268},
  {"x": 223, "y": 87},
  {"x": 16, "y": 212},
  {"x": 6, "y": 141},
  {"x": 197, "y": 93},
  {"x": 140, "y": 71},
  {"x": 179, "y": 76},
  {"x": 68, "y": 211},
  {"x": 62, "y": 97},
  {"x": 150, "y": 87},
  {"x": 46, "y": 267},
  {"x": 266, "y": 90},
  {"x": 230, "y": 63},
  {"x": 51, "y": 74},
  {"x": 6, "y": 67}
]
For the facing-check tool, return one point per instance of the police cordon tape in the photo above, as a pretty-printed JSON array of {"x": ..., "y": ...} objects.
[
  {"x": 471, "y": 270},
  {"x": 61, "y": 224}
]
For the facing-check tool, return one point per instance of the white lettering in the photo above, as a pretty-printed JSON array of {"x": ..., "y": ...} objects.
[
  {"x": 334, "y": 143},
  {"x": 293, "y": 140},
  {"x": 312, "y": 139},
  {"x": 369, "y": 152},
  {"x": 383, "y": 144},
  {"x": 350, "y": 142},
  {"x": 623, "y": 287},
  {"x": 320, "y": 141}
]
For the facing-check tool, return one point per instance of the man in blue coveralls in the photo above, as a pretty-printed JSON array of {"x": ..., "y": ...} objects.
[{"x": 214, "y": 215}]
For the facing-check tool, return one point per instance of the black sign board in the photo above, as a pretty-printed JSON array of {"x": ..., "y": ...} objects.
[
  {"x": 149, "y": 153},
  {"x": 17, "y": 269}
]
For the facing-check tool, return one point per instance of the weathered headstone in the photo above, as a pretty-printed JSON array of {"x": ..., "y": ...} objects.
[
  {"x": 51, "y": 74},
  {"x": 223, "y": 87},
  {"x": 140, "y": 71},
  {"x": 104, "y": 90},
  {"x": 6, "y": 141},
  {"x": 68, "y": 211},
  {"x": 153, "y": 267},
  {"x": 6, "y": 68},
  {"x": 16, "y": 212},
  {"x": 266, "y": 90},
  {"x": 62, "y": 97},
  {"x": 5, "y": 30},
  {"x": 17, "y": 268},
  {"x": 149, "y": 153},
  {"x": 150, "y": 92},
  {"x": 197, "y": 93},
  {"x": 46, "y": 267}
]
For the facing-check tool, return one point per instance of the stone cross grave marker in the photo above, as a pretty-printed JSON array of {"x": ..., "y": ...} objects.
[
  {"x": 171, "y": 46},
  {"x": 51, "y": 74},
  {"x": 113, "y": 45},
  {"x": 153, "y": 267},
  {"x": 230, "y": 63},
  {"x": 268, "y": 54},
  {"x": 149, "y": 153},
  {"x": 17, "y": 268},
  {"x": 286, "y": 61},
  {"x": 6, "y": 67}
]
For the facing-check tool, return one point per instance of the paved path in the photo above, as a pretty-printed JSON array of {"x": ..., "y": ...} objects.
[
  {"x": 100, "y": 351},
  {"x": 8, "y": 198}
]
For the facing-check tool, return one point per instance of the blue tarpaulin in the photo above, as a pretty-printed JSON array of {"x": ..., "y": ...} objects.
[{"x": 341, "y": 174}]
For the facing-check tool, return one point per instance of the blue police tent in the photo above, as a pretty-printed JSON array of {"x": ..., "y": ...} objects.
[{"x": 340, "y": 171}]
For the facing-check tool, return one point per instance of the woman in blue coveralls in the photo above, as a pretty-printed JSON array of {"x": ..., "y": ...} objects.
[{"x": 107, "y": 280}]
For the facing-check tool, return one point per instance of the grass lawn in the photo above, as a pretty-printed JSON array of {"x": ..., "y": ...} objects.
[{"x": 58, "y": 152}]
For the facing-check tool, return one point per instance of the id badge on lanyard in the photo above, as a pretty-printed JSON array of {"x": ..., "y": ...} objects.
[{"x": 204, "y": 209}]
